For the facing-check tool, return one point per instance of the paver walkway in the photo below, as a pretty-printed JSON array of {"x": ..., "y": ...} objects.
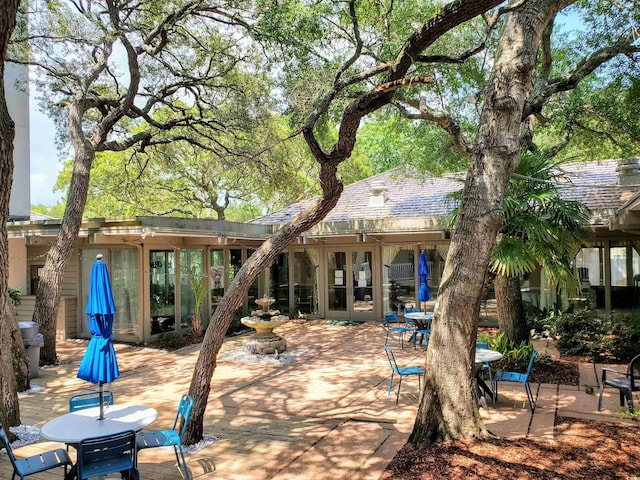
[{"x": 326, "y": 415}]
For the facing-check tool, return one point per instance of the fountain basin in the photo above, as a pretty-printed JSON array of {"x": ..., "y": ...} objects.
[{"x": 264, "y": 341}]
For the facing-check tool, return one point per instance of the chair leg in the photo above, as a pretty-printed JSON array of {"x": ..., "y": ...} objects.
[
  {"x": 600, "y": 397},
  {"x": 184, "y": 463},
  {"x": 629, "y": 395},
  {"x": 494, "y": 390},
  {"x": 622, "y": 398},
  {"x": 390, "y": 384},
  {"x": 532, "y": 405},
  {"x": 399, "y": 387}
]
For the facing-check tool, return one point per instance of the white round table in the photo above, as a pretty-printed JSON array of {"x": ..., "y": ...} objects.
[
  {"x": 484, "y": 355},
  {"x": 424, "y": 322},
  {"x": 419, "y": 315},
  {"x": 72, "y": 428}
]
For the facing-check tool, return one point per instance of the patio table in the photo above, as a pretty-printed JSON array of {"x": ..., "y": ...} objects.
[
  {"x": 484, "y": 355},
  {"x": 71, "y": 428},
  {"x": 422, "y": 319}
]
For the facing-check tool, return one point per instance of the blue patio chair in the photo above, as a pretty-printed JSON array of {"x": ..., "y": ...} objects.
[
  {"x": 401, "y": 371},
  {"x": 99, "y": 456},
  {"x": 23, "y": 467},
  {"x": 523, "y": 378},
  {"x": 424, "y": 330},
  {"x": 411, "y": 309},
  {"x": 392, "y": 324},
  {"x": 485, "y": 366},
  {"x": 80, "y": 401},
  {"x": 173, "y": 437},
  {"x": 626, "y": 382}
]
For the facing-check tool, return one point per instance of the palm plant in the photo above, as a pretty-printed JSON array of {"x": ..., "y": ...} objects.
[{"x": 540, "y": 228}]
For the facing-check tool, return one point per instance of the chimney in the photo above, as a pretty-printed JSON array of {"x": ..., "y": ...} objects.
[
  {"x": 376, "y": 194},
  {"x": 629, "y": 171}
]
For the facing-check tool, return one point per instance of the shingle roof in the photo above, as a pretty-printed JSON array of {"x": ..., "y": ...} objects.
[{"x": 593, "y": 183}]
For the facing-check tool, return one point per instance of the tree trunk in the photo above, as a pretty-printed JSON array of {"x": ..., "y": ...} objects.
[
  {"x": 453, "y": 14},
  {"x": 448, "y": 408},
  {"x": 9, "y": 406},
  {"x": 232, "y": 300},
  {"x": 511, "y": 309},
  {"x": 50, "y": 284}
]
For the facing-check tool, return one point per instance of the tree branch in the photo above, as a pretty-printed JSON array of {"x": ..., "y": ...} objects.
[{"x": 583, "y": 68}]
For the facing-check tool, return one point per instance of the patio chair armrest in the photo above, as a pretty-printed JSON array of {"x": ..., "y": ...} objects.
[{"x": 605, "y": 370}]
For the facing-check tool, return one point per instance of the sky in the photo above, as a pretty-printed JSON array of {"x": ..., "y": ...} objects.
[{"x": 45, "y": 159}]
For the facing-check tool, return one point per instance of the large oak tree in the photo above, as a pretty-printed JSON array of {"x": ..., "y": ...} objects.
[
  {"x": 172, "y": 69},
  {"x": 9, "y": 332}
]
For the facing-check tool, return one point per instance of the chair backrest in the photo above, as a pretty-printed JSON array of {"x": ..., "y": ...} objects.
[
  {"x": 391, "y": 357},
  {"x": 411, "y": 309},
  {"x": 634, "y": 372},
  {"x": 99, "y": 456},
  {"x": 5, "y": 443},
  {"x": 482, "y": 345},
  {"x": 80, "y": 401},
  {"x": 183, "y": 414},
  {"x": 530, "y": 367},
  {"x": 391, "y": 317}
]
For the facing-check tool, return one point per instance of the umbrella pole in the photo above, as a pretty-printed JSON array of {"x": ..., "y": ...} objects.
[{"x": 101, "y": 417}]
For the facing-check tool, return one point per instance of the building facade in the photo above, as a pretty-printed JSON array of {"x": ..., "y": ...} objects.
[{"x": 357, "y": 264}]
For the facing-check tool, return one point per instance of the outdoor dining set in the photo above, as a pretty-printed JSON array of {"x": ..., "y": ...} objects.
[
  {"x": 417, "y": 324},
  {"x": 106, "y": 436}
]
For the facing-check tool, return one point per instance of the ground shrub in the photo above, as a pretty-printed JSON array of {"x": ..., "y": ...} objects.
[
  {"x": 583, "y": 333},
  {"x": 623, "y": 343}
]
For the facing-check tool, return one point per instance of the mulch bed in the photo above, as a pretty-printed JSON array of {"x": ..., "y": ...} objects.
[{"x": 582, "y": 450}]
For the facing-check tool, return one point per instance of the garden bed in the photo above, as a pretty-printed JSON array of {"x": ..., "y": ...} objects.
[{"x": 581, "y": 449}]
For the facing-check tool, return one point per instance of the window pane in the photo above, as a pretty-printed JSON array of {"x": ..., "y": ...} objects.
[
  {"x": 305, "y": 282},
  {"x": 217, "y": 277},
  {"x": 126, "y": 294},
  {"x": 162, "y": 278},
  {"x": 192, "y": 285}
]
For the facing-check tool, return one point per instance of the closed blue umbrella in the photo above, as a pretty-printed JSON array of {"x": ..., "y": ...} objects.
[
  {"x": 423, "y": 277},
  {"x": 99, "y": 364}
]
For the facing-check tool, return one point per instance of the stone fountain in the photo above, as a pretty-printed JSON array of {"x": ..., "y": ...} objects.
[{"x": 264, "y": 321}]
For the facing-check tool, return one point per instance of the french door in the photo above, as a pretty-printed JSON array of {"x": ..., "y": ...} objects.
[{"x": 350, "y": 284}]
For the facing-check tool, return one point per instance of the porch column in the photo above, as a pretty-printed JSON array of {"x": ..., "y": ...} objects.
[{"x": 607, "y": 276}]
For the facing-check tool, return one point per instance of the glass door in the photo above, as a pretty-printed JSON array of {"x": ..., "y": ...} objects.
[{"x": 350, "y": 292}]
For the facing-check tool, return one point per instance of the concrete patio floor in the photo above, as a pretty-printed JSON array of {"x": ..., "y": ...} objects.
[{"x": 325, "y": 415}]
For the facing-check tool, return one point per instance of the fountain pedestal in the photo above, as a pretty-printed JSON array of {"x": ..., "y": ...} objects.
[{"x": 264, "y": 341}]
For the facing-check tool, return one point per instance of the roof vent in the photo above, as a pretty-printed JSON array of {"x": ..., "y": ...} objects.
[
  {"x": 629, "y": 171},
  {"x": 376, "y": 194}
]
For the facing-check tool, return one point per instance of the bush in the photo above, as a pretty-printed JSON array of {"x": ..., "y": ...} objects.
[
  {"x": 583, "y": 333},
  {"x": 15, "y": 296},
  {"x": 514, "y": 356},
  {"x": 624, "y": 341}
]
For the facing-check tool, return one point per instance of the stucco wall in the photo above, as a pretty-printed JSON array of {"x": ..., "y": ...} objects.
[
  {"x": 18, "y": 275},
  {"x": 17, "y": 95}
]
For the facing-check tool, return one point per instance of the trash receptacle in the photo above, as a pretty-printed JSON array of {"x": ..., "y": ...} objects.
[{"x": 33, "y": 341}]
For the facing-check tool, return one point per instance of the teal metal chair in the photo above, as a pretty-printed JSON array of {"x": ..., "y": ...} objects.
[
  {"x": 411, "y": 310},
  {"x": 422, "y": 328},
  {"x": 100, "y": 456},
  {"x": 485, "y": 366},
  {"x": 80, "y": 401},
  {"x": 401, "y": 371},
  {"x": 392, "y": 324},
  {"x": 523, "y": 378},
  {"x": 23, "y": 467},
  {"x": 173, "y": 437}
]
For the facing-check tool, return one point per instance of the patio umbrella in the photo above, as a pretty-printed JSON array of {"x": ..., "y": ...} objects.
[
  {"x": 423, "y": 276},
  {"x": 99, "y": 363}
]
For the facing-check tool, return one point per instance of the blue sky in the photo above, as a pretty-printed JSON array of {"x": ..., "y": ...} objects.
[{"x": 45, "y": 159}]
